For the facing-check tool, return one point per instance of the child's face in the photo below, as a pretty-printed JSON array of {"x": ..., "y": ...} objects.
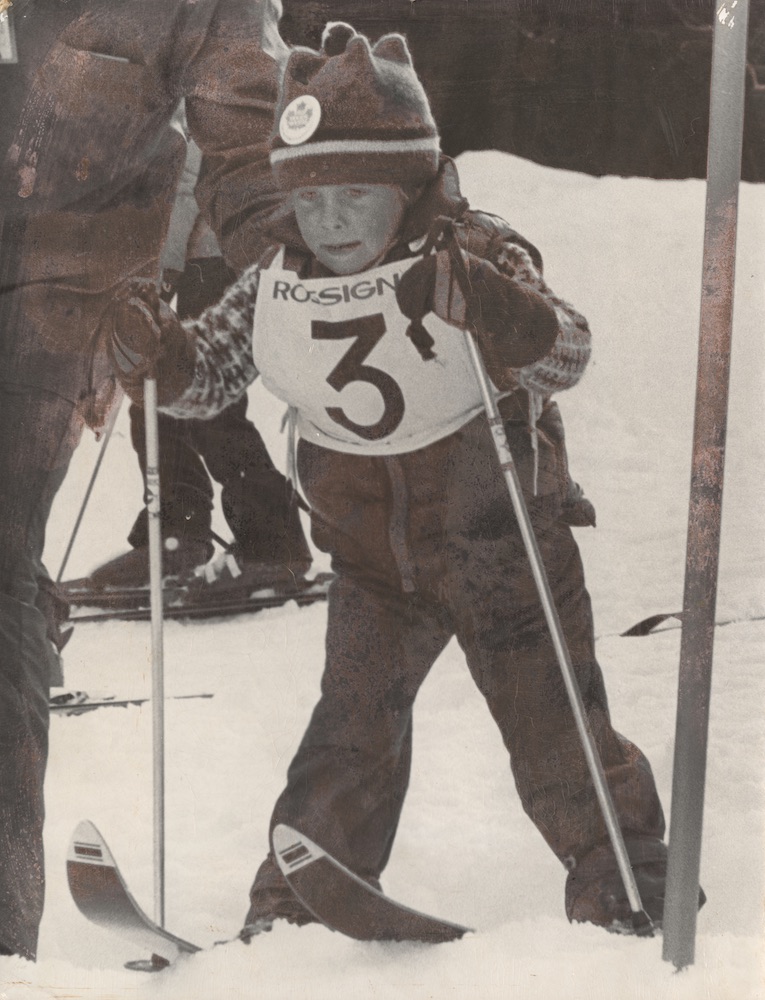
[{"x": 348, "y": 227}]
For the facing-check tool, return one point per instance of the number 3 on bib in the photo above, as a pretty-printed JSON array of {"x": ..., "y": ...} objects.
[{"x": 367, "y": 331}]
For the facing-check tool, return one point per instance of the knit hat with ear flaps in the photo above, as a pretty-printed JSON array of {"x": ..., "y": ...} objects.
[{"x": 353, "y": 113}]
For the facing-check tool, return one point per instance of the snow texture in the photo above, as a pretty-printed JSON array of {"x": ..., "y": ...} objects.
[{"x": 628, "y": 254}]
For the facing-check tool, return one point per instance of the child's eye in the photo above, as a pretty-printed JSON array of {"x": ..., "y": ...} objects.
[
  {"x": 357, "y": 192},
  {"x": 306, "y": 194}
]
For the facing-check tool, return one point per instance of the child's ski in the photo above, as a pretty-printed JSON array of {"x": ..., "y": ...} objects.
[
  {"x": 98, "y": 889},
  {"x": 346, "y": 903}
]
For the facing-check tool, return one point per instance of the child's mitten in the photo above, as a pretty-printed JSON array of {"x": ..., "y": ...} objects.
[
  {"x": 414, "y": 294},
  {"x": 148, "y": 340},
  {"x": 514, "y": 324}
]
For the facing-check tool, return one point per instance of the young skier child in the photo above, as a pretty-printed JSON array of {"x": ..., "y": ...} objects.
[{"x": 358, "y": 327}]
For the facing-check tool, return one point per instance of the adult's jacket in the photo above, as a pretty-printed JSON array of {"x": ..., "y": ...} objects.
[{"x": 90, "y": 160}]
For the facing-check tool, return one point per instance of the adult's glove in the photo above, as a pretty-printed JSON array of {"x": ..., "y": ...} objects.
[
  {"x": 147, "y": 340},
  {"x": 513, "y": 323}
]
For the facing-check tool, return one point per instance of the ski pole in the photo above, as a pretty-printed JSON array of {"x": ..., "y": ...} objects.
[
  {"x": 107, "y": 434},
  {"x": 641, "y": 921},
  {"x": 157, "y": 653}
]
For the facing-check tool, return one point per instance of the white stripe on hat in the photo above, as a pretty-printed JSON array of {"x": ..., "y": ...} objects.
[{"x": 334, "y": 146}]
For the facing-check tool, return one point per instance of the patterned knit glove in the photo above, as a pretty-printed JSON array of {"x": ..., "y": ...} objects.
[
  {"x": 148, "y": 340},
  {"x": 513, "y": 323}
]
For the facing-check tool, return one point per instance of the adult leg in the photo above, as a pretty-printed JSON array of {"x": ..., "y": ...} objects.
[
  {"x": 186, "y": 490},
  {"x": 258, "y": 502},
  {"x": 39, "y": 432},
  {"x": 347, "y": 782},
  {"x": 185, "y": 514}
]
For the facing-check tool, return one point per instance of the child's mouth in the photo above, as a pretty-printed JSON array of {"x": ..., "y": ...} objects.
[{"x": 341, "y": 248}]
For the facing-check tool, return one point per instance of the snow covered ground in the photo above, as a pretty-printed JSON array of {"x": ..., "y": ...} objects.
[{"x": 628, "y": 254}]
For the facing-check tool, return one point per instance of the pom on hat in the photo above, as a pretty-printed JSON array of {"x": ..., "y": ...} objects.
[{"x": 353, "y": 113}]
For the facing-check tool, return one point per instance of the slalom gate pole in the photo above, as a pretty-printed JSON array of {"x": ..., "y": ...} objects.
[
  {"x": 641, "y": 921},
  {"x": 726, "y": 121},
  {"x": 102, "y": 451},
  {"x": 157, "y": 652}
]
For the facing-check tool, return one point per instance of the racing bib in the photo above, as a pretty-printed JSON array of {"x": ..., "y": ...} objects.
[{"x": 336, "y": 349}]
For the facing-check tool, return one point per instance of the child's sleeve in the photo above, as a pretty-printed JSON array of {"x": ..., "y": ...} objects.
[
  {"x": 224, "y": 367},
  {"x": 564, "y": 364}
]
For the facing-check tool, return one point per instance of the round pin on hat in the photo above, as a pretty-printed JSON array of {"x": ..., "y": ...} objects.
[{"x": 299, "y": 120}]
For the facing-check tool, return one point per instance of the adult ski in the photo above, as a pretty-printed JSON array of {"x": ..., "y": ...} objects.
[
  {"x": 101, "y": 895},
  {"x": 346, "y": 903},
  {"x": 78, "y": 702},
  {"x": 648, "y": 625},
  {"x": 117, "y": 604}
]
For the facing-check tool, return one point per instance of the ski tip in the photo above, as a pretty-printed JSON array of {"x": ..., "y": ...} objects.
[
  {"x": 647, "y": 625},
  {"x": 87, "y": 846},
  {"x": 154, "y": 964},
  {"x": 293, "y": 850},
  {"x": 86, "y": 827}
]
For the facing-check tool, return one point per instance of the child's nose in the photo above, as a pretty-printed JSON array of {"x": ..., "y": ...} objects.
[{"x": 331, "y": 212}]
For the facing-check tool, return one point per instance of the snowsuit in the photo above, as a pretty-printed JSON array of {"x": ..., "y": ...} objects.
[
  {"x": 88, "y": 170},
  {"x": 425, "y": 546}
]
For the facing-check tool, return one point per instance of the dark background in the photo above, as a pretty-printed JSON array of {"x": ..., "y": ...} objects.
[{"x": 599, "y": 86}]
